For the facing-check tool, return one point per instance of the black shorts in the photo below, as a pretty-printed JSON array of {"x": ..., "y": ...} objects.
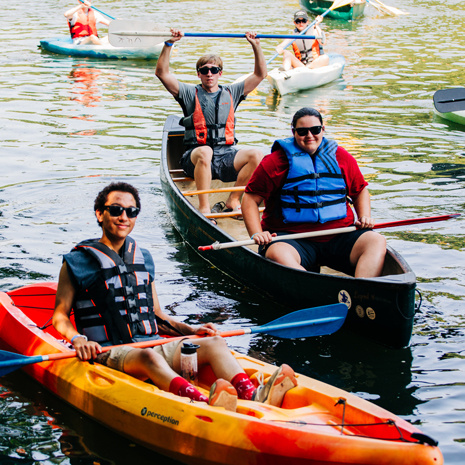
[
  {"x": 222, "y": 163},
  {"x": 334, "y": 253}
]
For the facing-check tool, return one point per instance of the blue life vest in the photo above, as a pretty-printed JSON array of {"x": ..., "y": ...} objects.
[
  {"x": 315, "y": 190},
  {"x": 118, "y": 306}
]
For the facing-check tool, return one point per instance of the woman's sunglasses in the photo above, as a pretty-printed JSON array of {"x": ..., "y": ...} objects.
[
  {"x": 315, "y": 130},
  {"x": 205, "y": 69},
  {"x": 116, "y": 210},
  {"x": 298, "y": 21}
]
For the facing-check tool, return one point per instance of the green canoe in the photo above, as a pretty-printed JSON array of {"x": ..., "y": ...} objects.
[
  {"x": 380, "y": 308},
  {"x": 346, "y": 13}
]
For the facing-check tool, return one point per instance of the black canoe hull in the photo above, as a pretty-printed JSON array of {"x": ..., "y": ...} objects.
[{"x": 381, "y": 308}]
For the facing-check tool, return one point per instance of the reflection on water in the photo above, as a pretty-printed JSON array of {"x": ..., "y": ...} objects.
[{"x": 68, "y": 126}]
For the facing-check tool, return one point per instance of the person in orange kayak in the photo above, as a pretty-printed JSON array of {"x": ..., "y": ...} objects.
[
  {"x": 310, "y": 183},
  {"x": 308, "y": 52},
  {"x": 211, "y": 151},
  {"x": 109, "y": 285},
  {"x": 82, "y": 21}
]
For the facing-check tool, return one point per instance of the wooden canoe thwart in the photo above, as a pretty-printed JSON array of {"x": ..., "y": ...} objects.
[
  {"x": 380, "y": 308},
  {"x": 317, "y": 424}
]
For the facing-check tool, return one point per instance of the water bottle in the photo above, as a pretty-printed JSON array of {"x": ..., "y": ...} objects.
[{"x": 189, "y": 367}]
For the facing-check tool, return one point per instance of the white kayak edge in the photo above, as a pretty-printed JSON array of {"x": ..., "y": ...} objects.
[
  {"x": 65, "y": 46},
  {"x": 296, "y": 79}
]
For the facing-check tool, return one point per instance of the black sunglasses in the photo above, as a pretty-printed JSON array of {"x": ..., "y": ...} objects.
[
  {"x": 298, "y": 21},
  {"x": 315, "y": 130},
  {"x": 116, "y": 210},
  {"x": 205, "y": 69}
]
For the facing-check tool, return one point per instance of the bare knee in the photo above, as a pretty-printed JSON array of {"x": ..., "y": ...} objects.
[
  {"x": 202, "y": 155},
  {"x": 150, "y": 358}
]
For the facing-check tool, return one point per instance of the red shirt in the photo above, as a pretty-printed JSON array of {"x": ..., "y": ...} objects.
[{"x": 269, "y": 177}]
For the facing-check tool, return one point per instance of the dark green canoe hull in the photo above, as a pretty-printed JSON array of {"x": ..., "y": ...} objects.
[
  {"x": 346, "y": 13},
  {"x": 381, "y": 309}
]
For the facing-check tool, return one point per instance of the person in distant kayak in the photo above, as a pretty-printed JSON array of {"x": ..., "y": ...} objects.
[
  {"x": 309, "y": 183},
  {"x": 209, "y": 120},
  {"x": 109, "y": 284},
  {"x": 82, "y": 21},
  {"x": 307, "y": 52}
]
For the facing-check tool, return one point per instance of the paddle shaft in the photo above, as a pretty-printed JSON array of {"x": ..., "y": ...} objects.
[
  {"x": 327, "y": 232},
  {"x": 164, "y": 35},
  {"x": 301, "y": 323},
  {"x": 100, "y": 11}
]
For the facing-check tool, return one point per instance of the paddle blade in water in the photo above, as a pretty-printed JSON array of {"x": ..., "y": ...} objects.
[
  {"x": 448, "y": 100},
  {"x": 310, "y": 322},
  {"x": 9, "y": 361}
]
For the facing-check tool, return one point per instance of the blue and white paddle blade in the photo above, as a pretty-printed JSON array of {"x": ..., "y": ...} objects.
[
  {"x": 9, "y": 361},
  {"x": 309, "y": 322}
]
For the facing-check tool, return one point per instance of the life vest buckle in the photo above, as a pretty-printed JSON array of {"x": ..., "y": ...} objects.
[
  {"x": 122, "y": 269},
  {"x": 130, "y": 303}
]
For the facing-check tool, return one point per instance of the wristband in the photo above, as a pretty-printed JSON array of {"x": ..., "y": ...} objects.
[
  {"x": 78, "y": 335},
  {"x": 252, "y": 236},
  {"x": 169, "y": 44}
]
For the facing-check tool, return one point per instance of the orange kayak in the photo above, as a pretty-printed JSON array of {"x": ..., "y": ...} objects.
[{"x": 317, "y": 423}]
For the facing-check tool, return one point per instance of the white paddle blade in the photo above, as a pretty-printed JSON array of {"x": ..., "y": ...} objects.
[{"x": 134, "y": 33}]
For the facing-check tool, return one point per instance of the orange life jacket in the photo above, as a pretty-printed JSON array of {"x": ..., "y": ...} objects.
[
  {"x": 307, "y": 54},
  {"x": 85, "y": 25},
  {"x": 217, "y": 127}
]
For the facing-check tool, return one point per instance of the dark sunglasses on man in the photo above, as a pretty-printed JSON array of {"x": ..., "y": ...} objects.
[
  {"x": 301, "y": 20},
  {"x": 205, "y": 69},
  {"x": 116, "y": 210},
  {"x": 315, "y": 130}
]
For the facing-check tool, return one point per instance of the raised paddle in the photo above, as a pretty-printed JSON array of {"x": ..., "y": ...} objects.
[
  {"x": 327, "y": 232},
  {"x": 310, "y": 322},
  {"x": 100, "y": 11},
  {"x": 448, "y": 100},
  {"x": 126, "y": 33}
]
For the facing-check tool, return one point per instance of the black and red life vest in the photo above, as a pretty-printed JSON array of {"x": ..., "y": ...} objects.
[{"x": 118, "y": 306}]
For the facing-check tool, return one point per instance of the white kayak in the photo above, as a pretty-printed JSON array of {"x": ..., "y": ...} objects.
[
  {"x": 450, "y": 104},
  {"x": 65, "y": 46},
  {"x": 296, "y": 79}
]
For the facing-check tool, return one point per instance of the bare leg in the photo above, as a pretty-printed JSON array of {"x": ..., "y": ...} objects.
[
  {"x": 213, "y": 351},
  {"x": 145, "y": 363},
  {"x": 245, "y": 162},
  {"x": 290, "y": 61},
  {"x": 368, "y": 255},
  {"x": 94, "y": 40},
  {"x": 285, "y": 254},
  {"x": 201, "y": 157},
  {"x": 322, "y": 60}
]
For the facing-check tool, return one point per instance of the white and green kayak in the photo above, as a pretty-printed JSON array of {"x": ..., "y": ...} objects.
[{"x": 450, "y": 104}]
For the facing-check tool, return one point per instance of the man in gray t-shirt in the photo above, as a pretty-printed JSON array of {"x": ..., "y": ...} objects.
[{"x": 209, "y": 121}]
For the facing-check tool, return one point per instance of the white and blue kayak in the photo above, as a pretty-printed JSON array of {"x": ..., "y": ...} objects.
[
  {"x": 65, "y": 46},
  {"x": 296, "y": 79}
]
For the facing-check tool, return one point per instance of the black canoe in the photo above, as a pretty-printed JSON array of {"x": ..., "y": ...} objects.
[{"x": 379, "y": 308}]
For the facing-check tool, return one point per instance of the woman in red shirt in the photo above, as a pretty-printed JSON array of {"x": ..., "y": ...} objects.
[{"x": 333, "y": 194}]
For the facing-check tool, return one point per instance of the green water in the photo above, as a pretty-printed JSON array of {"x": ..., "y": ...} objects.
[{"x": 69, "y": 126}]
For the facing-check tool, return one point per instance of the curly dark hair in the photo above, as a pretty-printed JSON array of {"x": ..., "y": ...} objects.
[
  {"x": 102, "y": 196},
  {"x": 306, "y": 111}
]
